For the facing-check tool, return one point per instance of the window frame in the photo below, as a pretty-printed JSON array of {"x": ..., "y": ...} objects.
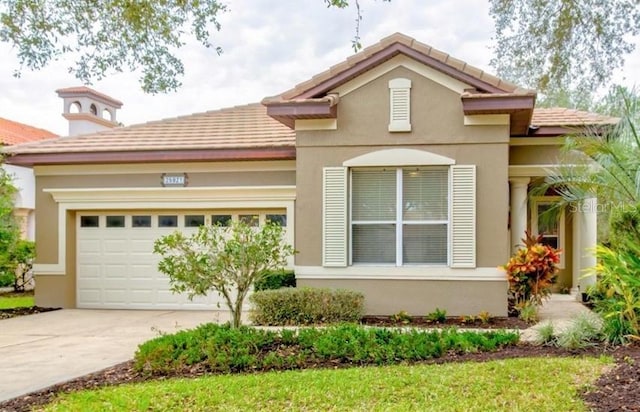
[
  {"x": 549, "y": 200},
  {"x": 399, "y": 220}
]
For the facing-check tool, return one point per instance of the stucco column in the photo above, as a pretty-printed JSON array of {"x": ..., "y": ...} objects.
[
  {"x": 577, "y": 251},
  {"x": 585, "y": 238},
  {"x": 519, "y": 187}
]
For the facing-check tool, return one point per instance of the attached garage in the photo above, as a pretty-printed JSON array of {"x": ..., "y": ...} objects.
[{"x": 116, "y": 267}]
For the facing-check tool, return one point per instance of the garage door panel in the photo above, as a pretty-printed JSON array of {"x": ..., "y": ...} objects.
[
  {"x": 117, "y": 269},
  {"x": 115, "y": 296},
  {"x": 86, "y": 246},
  {"x": 89, "y": 271},
  {"x": 89, "y": 296}
]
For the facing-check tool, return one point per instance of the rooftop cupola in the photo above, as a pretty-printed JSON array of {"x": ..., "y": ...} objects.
[{"x": 87, "y": 110}]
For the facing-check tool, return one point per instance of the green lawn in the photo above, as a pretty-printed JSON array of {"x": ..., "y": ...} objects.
[
  {"x": 15, "y": 301},
  {"x": 536, "y": 384}
]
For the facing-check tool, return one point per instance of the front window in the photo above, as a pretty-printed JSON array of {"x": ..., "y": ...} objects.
[{"x": 400, "y": 215}]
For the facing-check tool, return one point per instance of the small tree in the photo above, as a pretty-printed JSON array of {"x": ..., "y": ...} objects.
[
  {"x": 9, "y": 228},
  {"x": 21, "y": 263},
  {"x": 227, "y": 260}
]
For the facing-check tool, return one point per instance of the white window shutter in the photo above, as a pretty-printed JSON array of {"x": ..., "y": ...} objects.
[
  {"x": 463, "y": 216},
  {"x": 400, "y": 105},
  {"x": 334, "y": 217}
]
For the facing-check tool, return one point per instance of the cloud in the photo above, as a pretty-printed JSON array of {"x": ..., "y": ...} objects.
[{"x": 269, "y": 47}]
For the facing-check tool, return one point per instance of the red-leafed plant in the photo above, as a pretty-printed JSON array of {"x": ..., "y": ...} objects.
[{"x": 531, "y": 271}]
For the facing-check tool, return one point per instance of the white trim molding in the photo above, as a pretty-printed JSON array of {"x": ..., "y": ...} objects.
[
  {"x": 183, "y": 198},
  {"x": 400, "y": 273},
  {"x": 399, "y": 157},
  {"x": 316, "y": 124},
  {"x": 487, "y": 120}
]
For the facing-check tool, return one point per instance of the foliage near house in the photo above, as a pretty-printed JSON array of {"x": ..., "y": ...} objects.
[
  {"x": 605, "y": 164},
  {"x": 226, "y": 260},
  {"x": 221, "y": 348},
  {"x": 9, "y": 228},
  {"x": 306, "y": 306},
  {"x": 531, "y": 271},
  {"x": 276, "y": 280}
]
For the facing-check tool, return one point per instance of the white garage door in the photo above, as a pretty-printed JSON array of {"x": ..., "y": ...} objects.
[{"x": 116, "y": 267}]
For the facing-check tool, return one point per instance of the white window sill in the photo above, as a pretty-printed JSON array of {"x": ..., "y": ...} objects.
[{"x": 400, "y": 273}]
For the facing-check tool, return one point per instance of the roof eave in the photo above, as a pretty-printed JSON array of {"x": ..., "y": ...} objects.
[
  {"x": 157, "y": 156},
  {"x": 287, "y": 112},
  {"x": 387, "y": 54},
  {"x": 556, "y": 130},
  {"x": 518, "y": 107}
]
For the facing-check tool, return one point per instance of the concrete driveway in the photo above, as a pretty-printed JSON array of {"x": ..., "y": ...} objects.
[{"x": 41, "y": 350}]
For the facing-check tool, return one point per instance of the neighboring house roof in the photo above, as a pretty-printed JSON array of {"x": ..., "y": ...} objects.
[
  {"x": 12, "y": 133},
  {"x": 235, "y": 133}
]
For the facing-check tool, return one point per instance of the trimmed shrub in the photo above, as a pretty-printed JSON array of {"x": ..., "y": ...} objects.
[
  {"x": 6, "y": 280},
  {"x": 305, "y": 306},
  {"x": 276, "y": 280},
  {"x": 214, "y": 348}
]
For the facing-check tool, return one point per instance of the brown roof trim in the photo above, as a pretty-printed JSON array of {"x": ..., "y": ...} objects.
[
  {"x": 492, "y": 104},
  {"x": 549, "y": 131},
  {"x": 518, "y": 107},
  {"x": 388, "y": 53},
  {"x": 287, "y": 112},
  {"x": 555, "y": 131},
  {"x": 160, "y": 156}
]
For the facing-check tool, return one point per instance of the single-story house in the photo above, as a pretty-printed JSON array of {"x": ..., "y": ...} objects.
[
  {"x": 15, "y": 133},
  {"x": 401, "y": 172}
]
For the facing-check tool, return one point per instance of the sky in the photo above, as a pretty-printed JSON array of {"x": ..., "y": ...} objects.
[{"x": 269, "y": 46}]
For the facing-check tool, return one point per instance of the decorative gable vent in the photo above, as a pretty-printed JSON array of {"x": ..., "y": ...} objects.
[{"x": 400, "y": 105}]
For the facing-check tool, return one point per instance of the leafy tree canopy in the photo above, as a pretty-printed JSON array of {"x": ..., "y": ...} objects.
[
  {"x": 566, "y": 49},
  {"x": 116, "y": 35},
  {"x": 109, "y": 36}
]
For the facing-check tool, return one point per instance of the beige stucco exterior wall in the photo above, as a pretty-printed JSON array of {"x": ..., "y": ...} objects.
[
  {"x": 437, "y": 126},
  {"x": 59, "y": 290},
  {"x": 534, "y": 155},
  {"x": 419, "y": 297}
]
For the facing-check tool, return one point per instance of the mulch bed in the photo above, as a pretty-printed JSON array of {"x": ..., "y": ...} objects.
[
  {"x": 14, "y": 312},
  {"x": 616, "y": 390},
  {"x": 458, "y": 322}
]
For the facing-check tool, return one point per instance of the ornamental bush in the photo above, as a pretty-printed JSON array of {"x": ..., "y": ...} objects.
[
  {"x": 616, "y": 294},
  {"x": 305, "y": 306},
  {"x": 532, "y": 271},
  {"x": 276, "y": 280},
  {"x": 212, "y": 348}
]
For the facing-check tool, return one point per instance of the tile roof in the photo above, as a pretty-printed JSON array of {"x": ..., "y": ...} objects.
[
  {"x": 12, "y": 133},
  {"x": 84, "y": 90},
  {"x": 240, "y": 127},
  {"x": 560, "y": 116},
  {"x": 410, "y": 42}
]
